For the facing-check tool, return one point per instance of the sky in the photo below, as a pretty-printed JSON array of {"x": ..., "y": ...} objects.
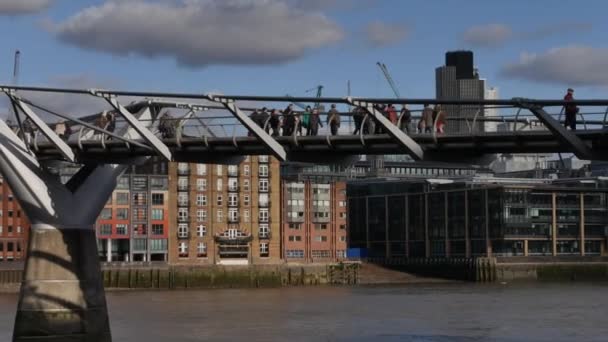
[{"x": 533, "y": 49}]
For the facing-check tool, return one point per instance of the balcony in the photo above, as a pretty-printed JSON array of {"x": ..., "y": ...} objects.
[
  {"x": 264, "y": 204},
  {"x": 234, "y": 219},
  {"x": 183, "y": 203},
  {"x": 264, "y": 220},
  {"x": 183, "y": 220},
  {"x": 264, "y": 174},
  {"x": 265, "y": 235},
  {"x": 264, "y": 189},
  {"x": 233, "y": 188},
  {"x": 183, "y": 172},
  {"x": 183, "y": 236},
  {"x": 183, "y": 188},
  {"x": 233, "y": 204}
]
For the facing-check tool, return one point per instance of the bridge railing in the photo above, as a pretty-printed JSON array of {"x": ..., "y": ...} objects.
[{"x": 183, "y": 117}]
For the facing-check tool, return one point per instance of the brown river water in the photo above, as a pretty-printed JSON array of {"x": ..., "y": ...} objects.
[{"x": 442, "y": 312}]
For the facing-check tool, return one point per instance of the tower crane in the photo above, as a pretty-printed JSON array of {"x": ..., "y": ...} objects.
[{"x": 389, "y": 79}]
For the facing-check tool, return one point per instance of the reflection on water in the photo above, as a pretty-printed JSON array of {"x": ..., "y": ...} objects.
[{"x": 437, "y": 313}]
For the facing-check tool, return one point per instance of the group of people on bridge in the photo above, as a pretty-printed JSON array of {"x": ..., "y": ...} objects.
[{"x": 308, "y": 121}]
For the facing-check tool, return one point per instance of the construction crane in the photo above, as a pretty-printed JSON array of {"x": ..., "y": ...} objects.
[
  {"x": 389, "y": 79},
  {"x": 319, "y": 90},
  {"x": 16, "y": 67}
]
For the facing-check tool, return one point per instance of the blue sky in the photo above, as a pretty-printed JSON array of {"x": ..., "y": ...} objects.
[{"x": 149, "y": 49}]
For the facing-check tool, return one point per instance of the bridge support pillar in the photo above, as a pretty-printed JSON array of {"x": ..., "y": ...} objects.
[{"x": 62, "y": 296}]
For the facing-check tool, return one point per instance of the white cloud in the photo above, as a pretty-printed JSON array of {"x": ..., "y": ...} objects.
[
  {"x": 21, "y": 7},
  {"x": 487, "y": 35},
  {"x": 494, "y": 35},
  {"x": 379, "y": 34},
  {"x": 201, "y": 32},
  {"x": 570, "y": 65}
]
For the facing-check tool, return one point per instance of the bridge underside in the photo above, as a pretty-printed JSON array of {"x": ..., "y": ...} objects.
[{"x": 323, "y": 149}]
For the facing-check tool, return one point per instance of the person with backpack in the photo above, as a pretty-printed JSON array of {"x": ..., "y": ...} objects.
[
  {"x": 333, "y": 119},
  {"x": 571, "y": 110}
]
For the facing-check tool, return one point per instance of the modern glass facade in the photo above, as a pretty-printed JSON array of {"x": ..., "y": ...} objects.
[{"x": 477, "y": 220}]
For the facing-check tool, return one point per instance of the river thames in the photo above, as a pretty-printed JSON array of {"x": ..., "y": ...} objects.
[{"x": 444, "y": 312}]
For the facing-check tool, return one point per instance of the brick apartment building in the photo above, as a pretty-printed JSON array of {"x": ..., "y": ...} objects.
[
  {"x": 134, "y": 224},
  {"x": 225, "y": 214},
  {"x": 313, "y": 221},
  {"x": 14, "y": 226}
]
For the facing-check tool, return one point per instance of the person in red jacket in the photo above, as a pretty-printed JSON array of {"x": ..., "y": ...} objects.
[
  {"x": 391, "y": 114},
  {"x": 571, "y": 110}
]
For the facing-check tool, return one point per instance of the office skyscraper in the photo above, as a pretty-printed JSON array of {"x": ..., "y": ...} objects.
[{"x": 458, "y": 80}]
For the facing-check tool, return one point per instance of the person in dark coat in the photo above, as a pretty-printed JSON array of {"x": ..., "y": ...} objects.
[
  {"x": 315, "y": 122},
  {"x": 333, "y": 119},
  {"x": 405, "y": 119},
  {"x": 289, "y": 121},
  {"x": 358, "y": 115},
  {"x": 571, "y": 110},
  {"x": 275, "y": 122}
]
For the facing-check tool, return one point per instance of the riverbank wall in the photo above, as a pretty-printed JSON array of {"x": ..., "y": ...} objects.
[
  {"x": 214, "y": 276},
  {"x": 509, "y": 269}
]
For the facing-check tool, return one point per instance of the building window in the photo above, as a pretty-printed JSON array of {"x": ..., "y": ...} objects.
[
  {"x": 183, "y": 249},
  {"x": 219, "y": 215},
  {"x": 158, "y": 214},
  {"x": 201, "y": 169},
  {"x": 201, "y": 184},
  {"x": 122, "y": 214},
  {"x": 263, "y": 200},
  {"x": 246, "y": 215},
  {"x": 264, "y": 215},
  {"x": 105, "y": 229},
  {"x": 182, "y": 199},
  {"x": 201, "y": 200},
  {"x": 158, "y": 229},
  {"x": 9, "y": 229},
  {"x": 139, "y": 199},
  {"x": 121, "y": 229},
  {"x": 264, "y": 231},
  {"x": 263, "y": 170},
  {"x": 246, "y": 170},
  {"x": 182, "y": 214},
  {"x": 233, "y": 170},
  {"x": 341, "y": 253},
  {"x": 158, "y": 245},
  {"x": 321, "y": 214},
  {"x": 122, "y": 198},
  {"x": 201, "y": 230},
  {"x": 246, "y": 200},
  {"x": 263, "y": 159},
  {"x": 182, "y": 184},
  {"x": 201, "y": 250},
  {"x": 342, "y": 226},
  {"x": 18, "y": 229},
  {"x": 321, "y": 253},
  {"x": 295, "y": 238},
  {"x": 219, "y": 169},
  {"x": 264, "y": 185},
  {"x": 233, "y": 200},
  {"x": 201, "y": 215},
  {"x": 343, "y": 215},
  {"x": 123, "y": 182},
  {"x": 219, "y": 184},
  {"x": 322, "y": 226},
  {"x": 294, "y": 253},
  {"x": 233, "y": 215},
  {"x": 219, "y": 200},
  {"x": 106, "y": 214},
  {"x": 342, "y": 238},
  {"x": 233, "y": 184},
  {"x": 295, "y": 226},
  {"x": 246, "y": 185},
  {"x": 158, "y": 199},
  {"x": 182, "y": 231},
  {"x": 140, "y": 229},
  {"x": 321, "y": 238},
  {"x": 182, "y": 168},
  {"x": 264, "y": 252}
]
